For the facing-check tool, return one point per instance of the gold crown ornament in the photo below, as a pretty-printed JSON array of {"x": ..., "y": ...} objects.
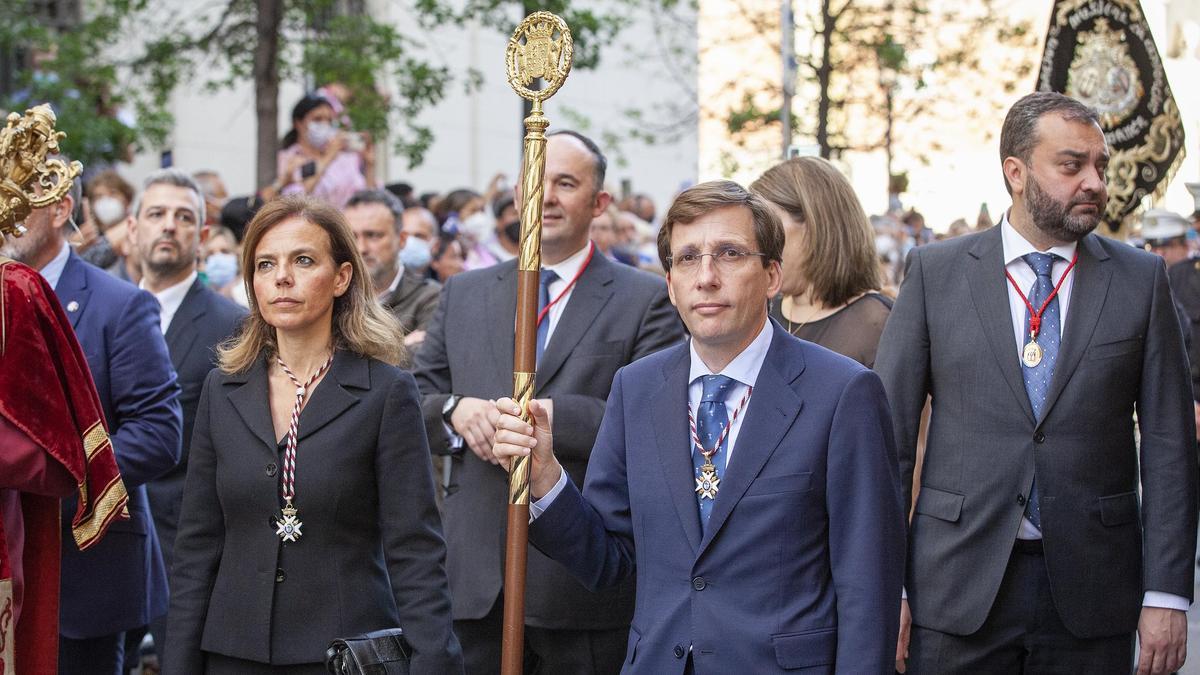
[{"x": 25, "y": 143}]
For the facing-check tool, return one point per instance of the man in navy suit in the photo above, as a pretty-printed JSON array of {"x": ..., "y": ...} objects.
[
  {"x": 748, "y": 478},
  {"x": 167, "y": 228},
  {"x": 120, "y": 583}
]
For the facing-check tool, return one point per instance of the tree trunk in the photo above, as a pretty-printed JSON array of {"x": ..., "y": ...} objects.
[
  {"x": 824, "y": 73},
  {"x": 266, "y": 86}
]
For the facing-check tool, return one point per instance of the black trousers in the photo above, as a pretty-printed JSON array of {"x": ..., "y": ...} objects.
[
  {"x": 1022, "y": 634},
  {"x": 93, "y": 656},
  {"x": 548, "y": 651}
]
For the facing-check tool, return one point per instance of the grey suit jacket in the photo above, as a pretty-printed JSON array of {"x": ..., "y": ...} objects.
[
  {"x": 615, "y": 315},
  {"x": 950, "y": 335}
]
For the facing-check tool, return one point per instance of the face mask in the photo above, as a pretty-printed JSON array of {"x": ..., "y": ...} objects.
[
  {"x": 477, "y": 225},
  {"x": 220, "y": 268},
  {"x": 320, "y": 133},
  {"x": 513, "y": 231},
  {"x": 416, "y": 254},
  {"x": 108, "y": 210}
]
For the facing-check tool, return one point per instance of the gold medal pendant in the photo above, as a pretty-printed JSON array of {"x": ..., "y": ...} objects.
[
  {"x": 288, "y": 527},
  {"x": 1031, "y": 356},
  {"x": 707, "y": 483}
]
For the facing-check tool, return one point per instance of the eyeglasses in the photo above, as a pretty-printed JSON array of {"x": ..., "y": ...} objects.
[{"x": 726, "y": 259}]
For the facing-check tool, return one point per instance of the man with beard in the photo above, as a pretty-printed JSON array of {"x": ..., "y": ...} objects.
[
  {"x": 1029, "y": 548},
  {"x": 167, "y": 230},
  {"x": 375, "y": 216},
  {"x": 120, "y": 584}
]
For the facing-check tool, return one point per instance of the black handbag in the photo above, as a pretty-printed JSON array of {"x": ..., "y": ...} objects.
[{"x": 382, "y": 652}]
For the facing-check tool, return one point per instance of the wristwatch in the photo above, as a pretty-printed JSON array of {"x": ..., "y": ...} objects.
[{"x": 449, "y": 406}]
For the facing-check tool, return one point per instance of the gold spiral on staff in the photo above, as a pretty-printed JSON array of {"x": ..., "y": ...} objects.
[{"x": 541, "y": 47}]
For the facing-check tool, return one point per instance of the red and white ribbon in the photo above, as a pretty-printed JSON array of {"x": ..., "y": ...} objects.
[{"x": 289, "y": 453}]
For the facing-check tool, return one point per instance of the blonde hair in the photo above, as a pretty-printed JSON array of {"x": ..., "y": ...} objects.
[
  {"x": 838, "y": 258},
  {"x": 360, "y": 324}
]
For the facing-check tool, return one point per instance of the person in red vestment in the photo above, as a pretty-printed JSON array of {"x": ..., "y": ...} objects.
[{"x": 53, "y": 442}]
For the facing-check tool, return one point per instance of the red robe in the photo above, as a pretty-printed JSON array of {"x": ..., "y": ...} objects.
[{"x": 49, "y": 404}]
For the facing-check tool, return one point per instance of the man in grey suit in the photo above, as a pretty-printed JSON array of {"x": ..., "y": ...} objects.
[
  {"x": 598, "y": 316},
  {"x": 1029, "y": 548}
]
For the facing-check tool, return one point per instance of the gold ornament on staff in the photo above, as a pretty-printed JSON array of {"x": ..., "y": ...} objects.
[
  {"x": 24, "y": 144},
  {"x": 540, "y": 48}
]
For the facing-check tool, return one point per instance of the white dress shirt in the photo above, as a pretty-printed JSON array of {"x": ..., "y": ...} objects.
[
  {"x": 170, "y": 298},
  {"x": 53, "y": 270},
  {"x": 1015, "y": 246},
  {"x": 743, "y": 369}
]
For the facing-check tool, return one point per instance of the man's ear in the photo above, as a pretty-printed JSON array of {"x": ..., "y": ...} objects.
[
  {"x": 603, "y": 199},
  {"x": 1015, "y": 172}
]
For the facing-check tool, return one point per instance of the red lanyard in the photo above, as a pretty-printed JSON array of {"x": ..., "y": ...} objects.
[
  {"x": 586, "y": 261},
  {"x": 1035, "y": 316},
  {"x": 724, "y": 432}
]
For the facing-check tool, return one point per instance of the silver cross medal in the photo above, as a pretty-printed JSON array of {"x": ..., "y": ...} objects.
[{"x": 288, "y": 527}]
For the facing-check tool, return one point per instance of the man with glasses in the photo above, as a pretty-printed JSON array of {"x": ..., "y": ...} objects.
[{"x": 748, "y": 478}]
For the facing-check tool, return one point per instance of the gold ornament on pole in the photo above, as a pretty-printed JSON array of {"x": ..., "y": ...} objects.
[
  {"x": 24, "y": 144},
  {"x": 540, "y": 48}
]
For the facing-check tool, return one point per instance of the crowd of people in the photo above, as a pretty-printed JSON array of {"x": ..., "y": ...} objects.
[{"x": 306, "y": 395}]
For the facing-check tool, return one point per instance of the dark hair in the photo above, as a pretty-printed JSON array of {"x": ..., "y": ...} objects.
[
  {"x": 1019, "y": 135},
  {"x": 444, "y": 240},
  {"x": 601, "y": 163},
  {"x": 403, "y": 192},
  {"x": 309, "y": 103},
  {"x": 453, "y": 202},
  {"x": 111, "y": 180},
  {"x": 382, "y": 197},
  {"x": 238, "y": 211},
  {"x": 502, "y": 202},
  {"x": 705, "y": 198}
]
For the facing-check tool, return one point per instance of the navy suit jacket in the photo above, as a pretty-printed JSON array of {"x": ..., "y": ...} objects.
[
  {"x": 120, "y": 583},
  {"x": 801, "y": 563}
]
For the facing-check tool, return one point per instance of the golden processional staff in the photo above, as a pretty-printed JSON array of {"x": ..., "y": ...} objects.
[{"x": 540, "y": 48}]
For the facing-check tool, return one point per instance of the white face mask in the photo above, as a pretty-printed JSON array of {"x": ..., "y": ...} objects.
[
  {"x": 477, "y": 225},
  {"x": 320, "y": 133},
  {"x": 108, "y": 210},
  {"x": 416, "y": 254}
]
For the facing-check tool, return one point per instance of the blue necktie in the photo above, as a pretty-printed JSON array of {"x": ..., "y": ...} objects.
[
  {"x": 711, "y": 418},
  {"x": 547, "y": 277},
  {"x": 1037, "y": 379}
]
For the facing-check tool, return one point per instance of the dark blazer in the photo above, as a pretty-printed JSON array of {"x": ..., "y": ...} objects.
[
  {"x": 951, "y": 335},
  {"x": 371, "y": 551},
  {"x": 120, "y": 583},
  {"x": 615, "y": 315},
  {"x": 203, "y": 321},
  {"x": 800, "y": 566}
]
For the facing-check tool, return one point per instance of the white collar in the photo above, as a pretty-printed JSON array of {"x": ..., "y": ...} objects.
[
  {"x": 1016, "y": 246},
  {"x": 170, "y": 298},
  {"x": 395, "y": 281},
  {"x": 745, "y": 366},
  {"x": 567, "y": 269},
  {"x": 52, "y": 271}
]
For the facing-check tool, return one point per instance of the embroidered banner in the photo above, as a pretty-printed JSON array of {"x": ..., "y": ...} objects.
[{"x": 1101, "y": 52}]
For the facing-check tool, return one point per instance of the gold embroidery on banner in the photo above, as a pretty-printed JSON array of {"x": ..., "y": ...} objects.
[
  {"x": 111, "y": 501},
  {"x": 95, "y": 438},
  {"x": 8, "y": 629},
  {"x": 1104, "y": 76}
]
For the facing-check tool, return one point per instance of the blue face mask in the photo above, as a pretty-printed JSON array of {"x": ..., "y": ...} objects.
[
  {"x": 416, "y": 255},
  {"x": 220, "y": 268}
]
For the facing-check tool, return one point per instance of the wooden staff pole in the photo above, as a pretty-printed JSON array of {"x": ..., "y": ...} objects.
[{"x": 540, "y": 55}]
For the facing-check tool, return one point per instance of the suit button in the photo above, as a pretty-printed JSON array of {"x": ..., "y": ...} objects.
[
  {"x": 279, "y": 575},
  {"x": 679, "y": 651},
  {"x": 699, "y": 583},
  {"x": 1039, "y": 437},
  {"x": 1021, "y": 500},
  {"x": 271, "y": 469}
]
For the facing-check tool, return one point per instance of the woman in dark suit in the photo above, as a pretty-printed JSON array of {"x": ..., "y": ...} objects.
[{"x": 308, "y": 511}]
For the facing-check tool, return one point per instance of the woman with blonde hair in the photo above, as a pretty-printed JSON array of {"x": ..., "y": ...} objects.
[
  {"x": 308, "y": 512},
  {"x": 831, "y": 282}
]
